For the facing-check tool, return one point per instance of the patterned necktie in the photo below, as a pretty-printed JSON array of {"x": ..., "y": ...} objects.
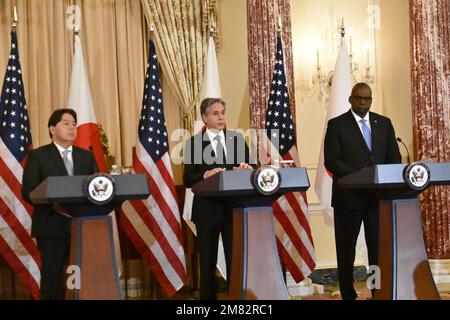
[
  {"x": 220, "y": 151},
  {"x": 67, "y": 163},
  {"x": 366, "y": 133}
]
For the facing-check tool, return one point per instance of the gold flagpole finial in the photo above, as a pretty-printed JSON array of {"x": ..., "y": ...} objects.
[
  {"x": 280, "y": 24},
  {"x": 342, "y": 28},
  {"x": 14, "y": 19},
  {"x": 212, "y": 30}
]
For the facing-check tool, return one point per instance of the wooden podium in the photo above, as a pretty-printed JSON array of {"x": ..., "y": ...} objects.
[
  {"x": 256, "y": 271},
  {"x": 403, "y": 260},
  {"x": 92, "y": 248}
]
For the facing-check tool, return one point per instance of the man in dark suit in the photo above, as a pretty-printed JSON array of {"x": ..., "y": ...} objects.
[
  {"x": 50, "y": 224},
  {"x": 208, "y": 153},
  {"x": 355, "y": 140}
]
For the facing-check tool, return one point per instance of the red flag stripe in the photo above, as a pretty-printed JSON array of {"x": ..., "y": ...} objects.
[
  {"x": 166, "y": 210},
  {"x": 160, "y": 200},
  {"x": 155, "y": 229},
  {"x": 290, "y": 221},
  {"x": 170, "y": 279},
  {"x": 298, "y": 211},
  {"x": 293, "y": 235},
  {"x": 17, "y": 265},
  {"x": 16, "y": 188},
  {"x": 162, "y": 178},
  {"x": 14, "y": 237},
  {"x": 148, "y": 241},
  {"x": 168, "y": 253},
  {"x": 10, "y": 161},
  {"x": 290, "y": 264},
  {"x": 18, "y": 229},
  {"x": 165, "y": 174},
  {"x": 146, "y": 253}
]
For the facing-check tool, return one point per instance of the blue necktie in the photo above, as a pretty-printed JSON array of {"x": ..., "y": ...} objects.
[{"x": 366, "y": 133}]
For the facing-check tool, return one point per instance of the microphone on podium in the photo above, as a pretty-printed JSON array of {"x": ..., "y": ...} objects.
[{"x": 407, "y": 151}]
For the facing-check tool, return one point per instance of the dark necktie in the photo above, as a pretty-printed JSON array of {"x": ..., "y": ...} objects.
[{"x": 220, "y": 152}]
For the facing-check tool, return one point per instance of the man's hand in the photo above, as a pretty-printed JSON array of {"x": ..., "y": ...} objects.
[
  {"x": 212, "y": 172},
  {"x": 243, "y": 166}
]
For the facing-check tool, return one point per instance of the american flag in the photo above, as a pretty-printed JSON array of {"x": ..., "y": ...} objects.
[
  {"x": 154, "y": 225},
  {"x": 294, "y": 240},
  {"x": 16, "y": 245}
]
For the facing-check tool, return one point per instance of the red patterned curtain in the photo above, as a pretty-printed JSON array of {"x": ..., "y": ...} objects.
[
  {"x": 430, "y": 73},
  {"x": 262, "y": 34}
]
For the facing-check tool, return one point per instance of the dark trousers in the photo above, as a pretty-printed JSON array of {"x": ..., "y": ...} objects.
[
  {"x": 347, "y": 224},
  {"x": 54, "y": 255},
  {"x": 208, "y": 241}
]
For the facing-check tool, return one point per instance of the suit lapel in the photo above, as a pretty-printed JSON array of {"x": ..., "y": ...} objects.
[
  {"x": 375, "y": 129},
  {"x": 207, "y": 143},
  {"x": 57, "y": 160},
  {"x": 231, "y": 146},
  {"x": 76, "y": 161}
]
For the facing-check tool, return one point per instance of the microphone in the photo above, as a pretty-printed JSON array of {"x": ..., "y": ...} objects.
[{"x": 407, "y": 151}]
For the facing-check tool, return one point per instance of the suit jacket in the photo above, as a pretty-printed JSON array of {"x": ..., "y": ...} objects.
[
  {"x": 345, "y": 152},
  {"x": 196, "y": 164},
  {"x": 44, "y": 162}
]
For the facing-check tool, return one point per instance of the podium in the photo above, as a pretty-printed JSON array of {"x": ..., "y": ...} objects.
[
  {"x": 403, "y": 261},
  {"x": 256, "y": 271},
  {"x": 92, "y": 249}
]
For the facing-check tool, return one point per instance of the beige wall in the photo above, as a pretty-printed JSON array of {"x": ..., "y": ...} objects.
[
  {"x": 393, "y": 51},
  {"x": 233, "y": 62}
]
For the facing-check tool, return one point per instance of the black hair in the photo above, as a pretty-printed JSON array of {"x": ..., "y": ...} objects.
[{"x": 57, "y": 116}]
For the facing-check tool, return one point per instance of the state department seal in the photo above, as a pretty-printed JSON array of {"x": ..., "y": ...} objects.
[
  {"x": 417, "y": 176},
  {"x": 267, "y": 180},
  {"x": 99, "y": 188}
]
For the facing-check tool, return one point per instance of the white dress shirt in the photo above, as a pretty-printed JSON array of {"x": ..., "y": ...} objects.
[
  {"x": 358, "y": 121},
  {"x": 61, "y": 150},
  {"x": 212, "y": 138}
]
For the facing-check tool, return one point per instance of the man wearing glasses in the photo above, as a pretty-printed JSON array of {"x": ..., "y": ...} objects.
[{"x": 353, "y": 141}]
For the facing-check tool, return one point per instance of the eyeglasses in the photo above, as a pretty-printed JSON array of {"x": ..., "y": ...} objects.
[{"x": 359, "y": 98}]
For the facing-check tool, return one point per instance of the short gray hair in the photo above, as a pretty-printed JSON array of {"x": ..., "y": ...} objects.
[
  {"x": 206, "y": 103},
  {"x": 360, "y": 85}
]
